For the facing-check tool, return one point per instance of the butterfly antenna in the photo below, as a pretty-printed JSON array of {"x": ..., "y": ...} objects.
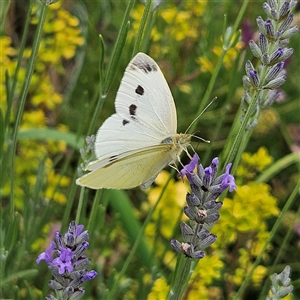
[{"x": 207, "y": 106}]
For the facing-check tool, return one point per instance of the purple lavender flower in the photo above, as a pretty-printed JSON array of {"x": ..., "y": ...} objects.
[
  {"x": 67, "y": 263},
  {"x": 202, "y": 208},
  {"x": 272, "y": 53}
]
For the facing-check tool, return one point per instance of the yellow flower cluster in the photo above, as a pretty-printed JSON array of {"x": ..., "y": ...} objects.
[
  {"x": 172, "y": 24},
  {"x": 168, "y": 212},
  {"x": 159, "y": 290},
  {"x": 244, "y": 218},
  {"x": 252, "y": 164},
  {"x": 207, "y": 270},
  {"x": 6, "y": 65},
  {"x": 61, "y": 37},
  {"x": 207, "y": 64}
]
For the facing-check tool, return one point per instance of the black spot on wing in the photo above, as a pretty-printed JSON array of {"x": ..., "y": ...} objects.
[
  {"x": 132, "y": 109},
  {"x": 113, "y": 158},
  {"x": 125, "y": 122},
  {"x": 139, "y": 90},
  {"x": 144, "y": 66},
  {"x": 168, "y": 140}
]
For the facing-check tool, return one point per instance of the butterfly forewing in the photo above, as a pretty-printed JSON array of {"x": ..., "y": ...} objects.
[
  {"x": 145, "y": 111},
  {"x": 144, "y": 96}
]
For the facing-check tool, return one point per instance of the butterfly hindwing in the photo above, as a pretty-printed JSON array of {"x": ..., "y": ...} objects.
[{"x": 130, "y": 171}]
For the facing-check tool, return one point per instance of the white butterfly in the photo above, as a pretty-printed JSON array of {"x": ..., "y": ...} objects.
[{"x": 139, "y": 140}]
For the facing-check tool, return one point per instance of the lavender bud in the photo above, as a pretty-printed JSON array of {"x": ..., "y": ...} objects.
[
  {"x": 273, "y": 4},
  {"x": 77, "y": 295},
  {"x": 189, "y": 213},
  {"x": 287, "y": 53},
  {"x": 186, "y": 229},
  {"x": 263, "y": 43},
  {"x": 212, "y": 219},
  {"x": 82, "y": 264},
  {"x": 256, "y": 51},
  {"x": 269, "y": 29},
  {"x": 79, "y": 250},
  {"x": 77, "y": 274},
  {"x": 59, "y": 239},
  {"x": 293, "y": 3},
  {"x": 273, "y": 72},
  {"x": 82, "y": 237},
  {"x": 89, "y": 275},
  {"x": 254, "y": 78},
  {"x": 192, "y": 200},
  {"x": 284, "y": 10},
  {"x": 271, "y": 13},
  {"x": 187, "y": 233},
  {"x": 272, "y": 96},
  {"x": 246, "y": 82},
  {"x": 276, "y": 55},
  {"x": 249, "y": 66},
  {"x": 276, "y": 83},
  {"x": 207, "y": 241},
  {"x": 69, "y": 239},
  {"x": 55, "y": 285},
  {"x": 285, "y": 25},
  {"x": 289, "y": 33},
  {"x": 261, "y": 25}
]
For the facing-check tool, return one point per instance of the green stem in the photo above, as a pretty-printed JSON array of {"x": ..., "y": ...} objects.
[
  {"x": 23, "y": 95},
  {"x": 117, "y": 51},
  {"x": 183, "y": 271},
  {"x": 213, "y": 79},
  {"x": 112, "y": 293},
  {"x": 144, "y": 21},
  {"x": 80, "y": 205},
  {"x": 19, "y": 64}
]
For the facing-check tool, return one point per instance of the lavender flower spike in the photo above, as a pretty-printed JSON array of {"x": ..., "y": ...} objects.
[
  {"x": 67, "y": 263},
  {"x": 271, "y": 51},
  {"x": 202, "y": 208}
]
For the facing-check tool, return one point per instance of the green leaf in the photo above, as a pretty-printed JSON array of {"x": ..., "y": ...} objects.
[
  {"x": 48, "y": 134},
  {"x": 121, "y": 204}
]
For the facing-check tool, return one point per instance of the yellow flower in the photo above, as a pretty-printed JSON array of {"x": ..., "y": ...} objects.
[
  {"x": 171, "y": 204},
  {"x": 207, "y": 270},
  {"x": 245, "y": 265},
  {"x": 252, "y": 164},
  {"x": 33, "y": 119},
  {"x": 159, "y": 290},
  {"x": 185, "y": 88},
  {"x": 268, "y": 120},
  {"x": 205, "y": 65},
  {"x": 248, "y": 211}
]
